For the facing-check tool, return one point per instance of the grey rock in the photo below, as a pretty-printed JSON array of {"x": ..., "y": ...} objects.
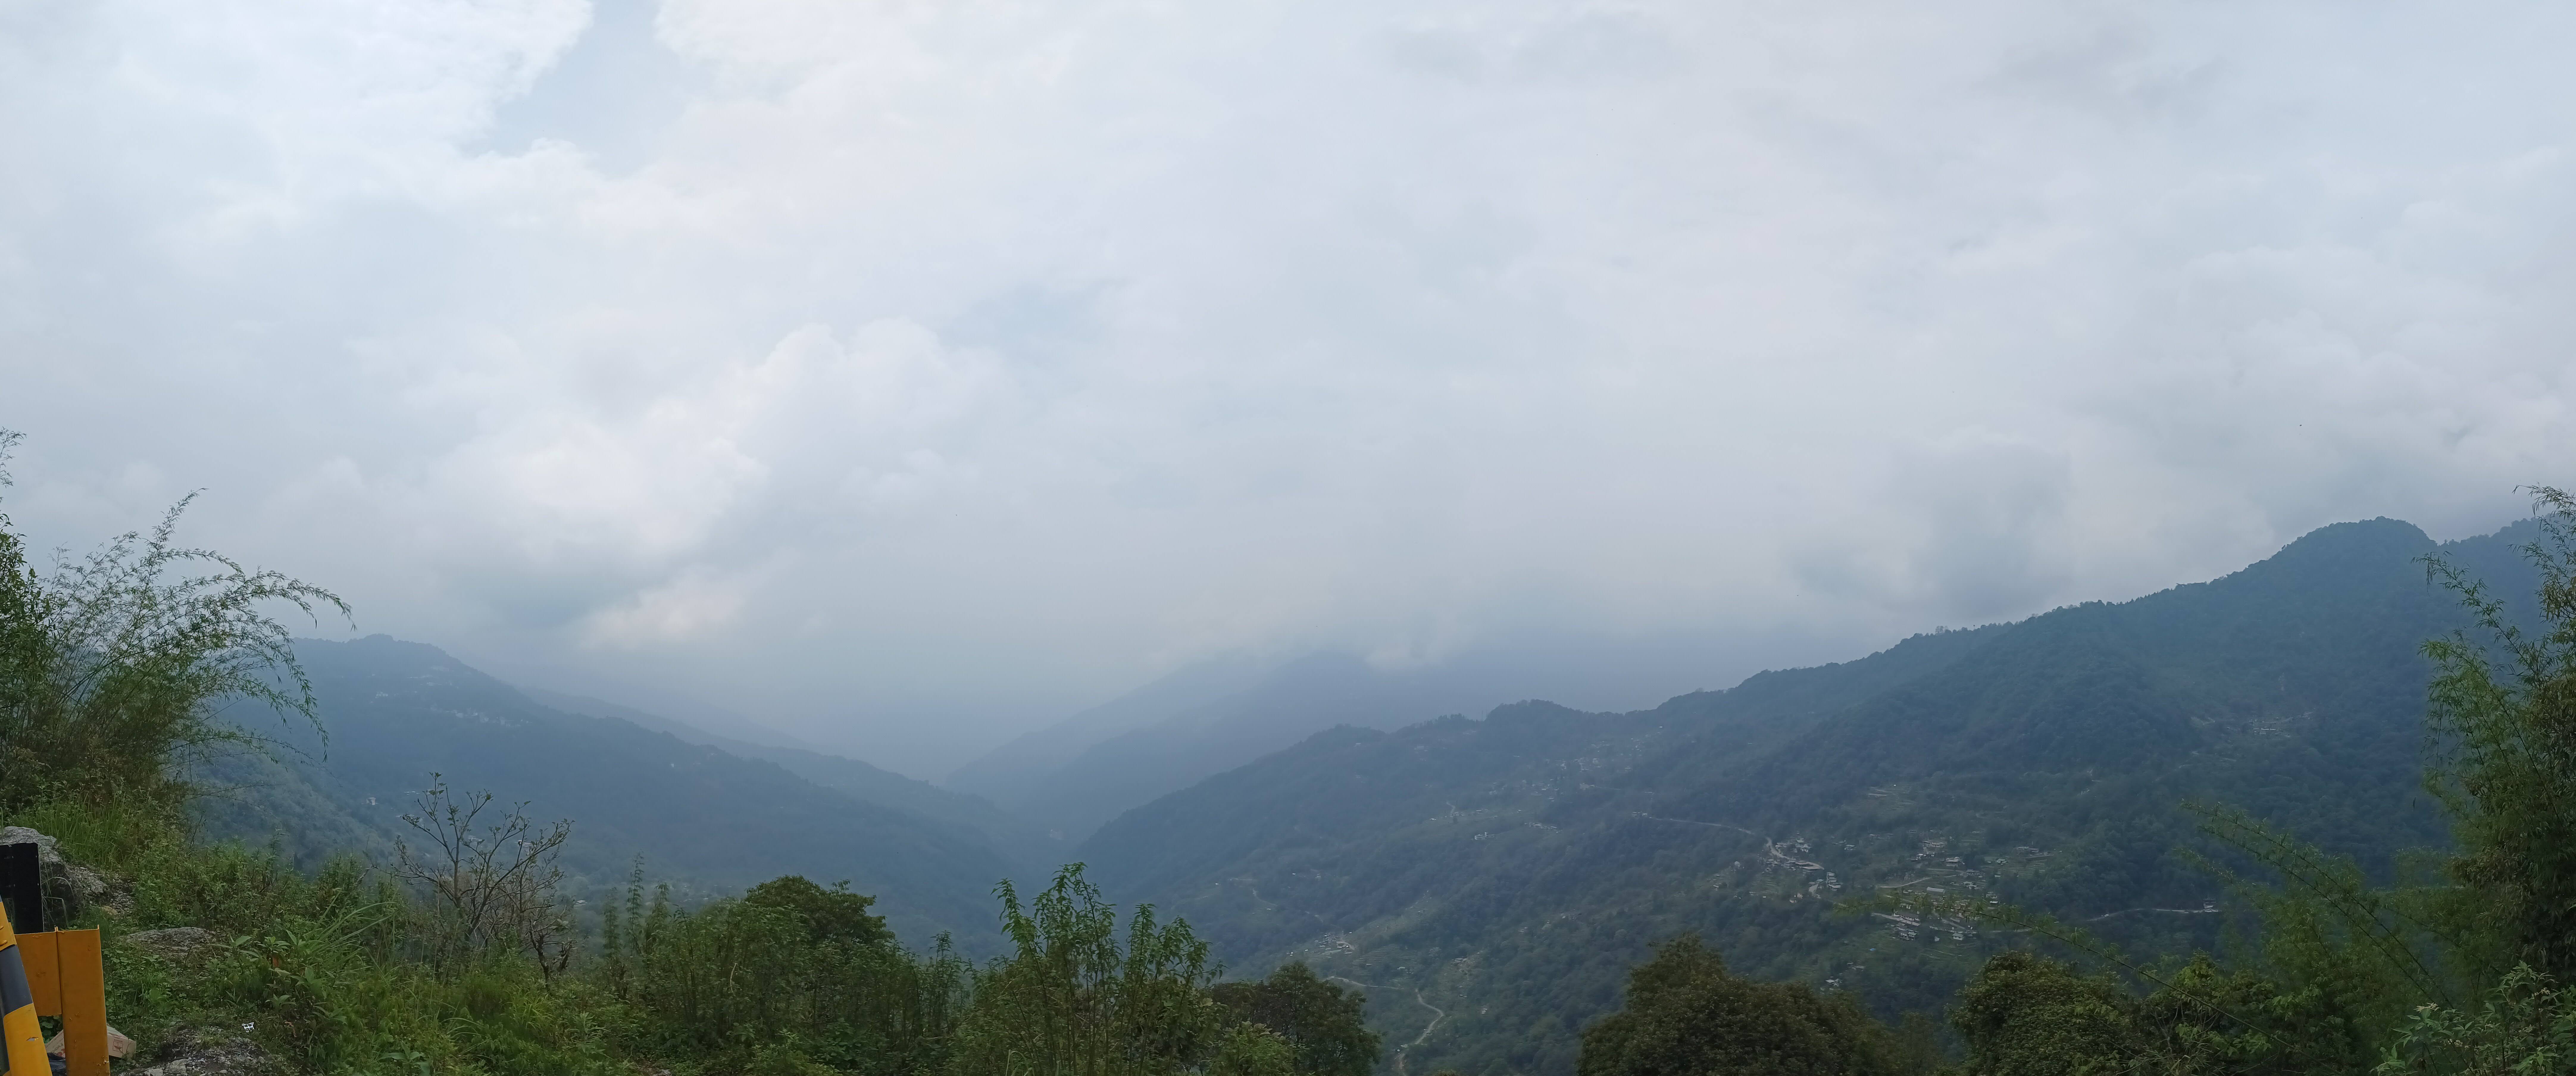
[
  {"x": 176, "y": 943},
  {"x": 206, "y": 1052},
  {"x": 85, "y": 884},
  {"x": 45, "y": 853},
  {"x": 78, "y": 887}
]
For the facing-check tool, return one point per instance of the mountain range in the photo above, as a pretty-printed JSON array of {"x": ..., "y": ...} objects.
[
  {"x": 1215, "y": 715},
  {"x": 1494, "y": 879},
  {"x": 1488, "y": 881},
  {"x": 702, "y": 817}
]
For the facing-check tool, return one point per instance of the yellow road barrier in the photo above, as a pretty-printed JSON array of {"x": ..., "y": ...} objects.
[
  {"x": 25, "y": 1045},
  {"x": 55, "y": 973}
]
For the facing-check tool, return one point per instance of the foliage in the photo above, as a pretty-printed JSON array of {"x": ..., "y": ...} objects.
[
  {"x": 2328, "y": 929},
  {"x": 2508, "y": 769},
  {"x": 1687, "y": 1014},
  {"x": 115, "y": 666},
  {"x": 492, "y": 888},
  {"x": 325, "y": 969},
  {"x": 2527, "y": 1027},
  {"x": 1323, "y": 1023},
  {"x": 2028, "y": 1016},
  {"x": 1254, "y": 1050},
  {"x": 740, "y": 982},
  {"x": 1071, "y": 1001},
  {"x": 829, "y": 915}
]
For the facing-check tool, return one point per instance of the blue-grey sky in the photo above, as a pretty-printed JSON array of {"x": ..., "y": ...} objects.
[{"x": 906, "y": 374}]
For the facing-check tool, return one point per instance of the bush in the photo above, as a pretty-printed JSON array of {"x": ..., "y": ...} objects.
[
  {"x": 2526, "y": 1028},
  {"x": 1323, "y": 1023},
  {"x": 1687, "y": 1014}
]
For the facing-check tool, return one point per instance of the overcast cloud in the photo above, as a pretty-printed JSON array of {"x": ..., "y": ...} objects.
[{"x": 906, "y": 374}]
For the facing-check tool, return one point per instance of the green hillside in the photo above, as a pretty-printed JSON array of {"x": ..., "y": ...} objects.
[
  {"x": 706, "y": 819},
  {"x": 1512, "y": 869},
  {"x": 1021, "y": 840}
]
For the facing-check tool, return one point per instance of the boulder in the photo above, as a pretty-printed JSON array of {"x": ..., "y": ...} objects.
[
  {"x": 177, "y": 944},
  {"x": 210, "y": 1052},
  {"x": 77, "y": 886},
  {"x": 46, "y": 856},
  {"x": 87, "y": 886}
]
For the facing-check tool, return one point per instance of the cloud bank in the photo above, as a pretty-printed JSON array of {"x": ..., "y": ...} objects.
[{"x": 912, "y": 372}]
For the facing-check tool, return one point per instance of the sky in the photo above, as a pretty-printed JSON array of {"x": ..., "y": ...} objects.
[{"x": 908, "y": 375}]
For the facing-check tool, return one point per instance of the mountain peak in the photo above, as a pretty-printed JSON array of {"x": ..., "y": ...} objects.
[
  {"x": 382, "y": 653},
  {"x": 2376, "y": 537}
]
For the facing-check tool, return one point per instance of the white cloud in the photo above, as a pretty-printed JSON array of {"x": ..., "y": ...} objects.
[{"x": 859, "y": 360}]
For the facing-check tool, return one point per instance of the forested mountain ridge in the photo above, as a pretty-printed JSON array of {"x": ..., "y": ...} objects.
[
  {"x": 1020, "y": 838},
  {"x": 1008, "y": 772},
  {"x": 700, "y": 817},
  {"x": 1227, "y": 711},
  {"x": 1512, "y": 868},
  {"x": 1211, "y": 736}
]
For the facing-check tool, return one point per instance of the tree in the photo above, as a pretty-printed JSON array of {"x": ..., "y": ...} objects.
[
  {"x": 116, "y": 666},
  {"x": 2507, "y": 772},
  {"x": 2025, "y": 1015},
  {"x": 1324, "y": 1023},
  {"x": 1253, "y": 1050},
  {"x": 830, "y": 915},
  {"x": 2527, "y": 1028},
  {"x": 1070, "y": 1001},
  {"x": 491, "y": 888},
  {"x": 1688, "y": 1016},
  {"x": 750, "y": 985}
]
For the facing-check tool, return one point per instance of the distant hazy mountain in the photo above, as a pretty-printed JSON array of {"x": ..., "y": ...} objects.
[
  {"x": 700, "y": 816},
  {"x": 1512, "y": 869},
  {"x": 1213, "y": 717},
  {"x": 656, "y": 710},
  {"x": 1007, "y": 774},
  {"x": 1026, "y": 843}
]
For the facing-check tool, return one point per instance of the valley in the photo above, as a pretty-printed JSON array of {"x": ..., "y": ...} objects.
[
  {"x": 1486, "y": 883},
  {"x": 1511, "y": 868}
]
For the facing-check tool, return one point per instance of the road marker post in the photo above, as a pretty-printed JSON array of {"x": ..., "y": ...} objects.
[{"x": 24, "y": 1041}]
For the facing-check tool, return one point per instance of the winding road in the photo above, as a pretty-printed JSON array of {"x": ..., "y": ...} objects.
[
  {"x": 1437, "y": 1014},
  {"x": 1769, "y": 849}
]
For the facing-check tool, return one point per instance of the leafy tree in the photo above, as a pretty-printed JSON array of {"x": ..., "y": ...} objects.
[
  {"x": 2335, "y": 961},
  {"x": 1254, "y": 1050},
  {"x": 829, "y": 915},
  {"x": 754, "y": 984},
  {"x": 2507, "y": 773},
  {"x": 2217, "y": 1021},
  {"x": 1324, "y": 1022},
  {"x": 1688, "y": 1016},
  {"x": 1070, "y": 1001},
  {"x": 2527, "y": 1028},
  {"x": 114, "y": 667},
  {"x": 2025, "y": 1015}
]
